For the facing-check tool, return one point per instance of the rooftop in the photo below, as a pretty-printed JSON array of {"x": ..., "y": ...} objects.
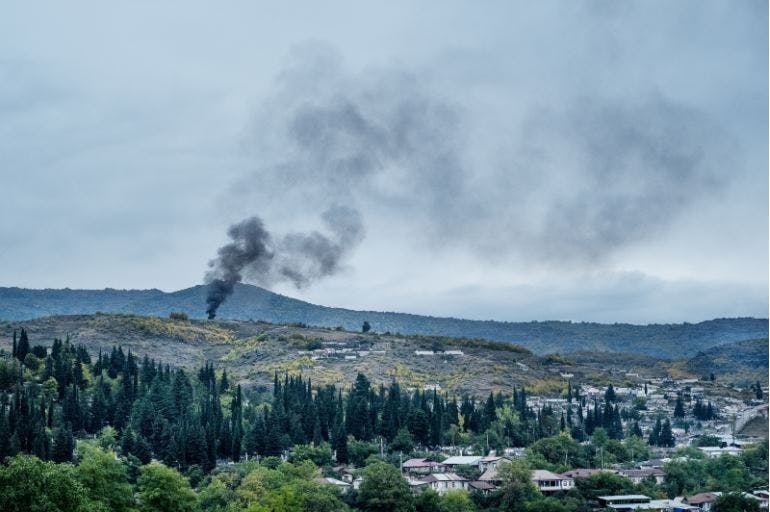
[
  {"x": 543, "y": 474},
  {"x": 462, "y": 460}
]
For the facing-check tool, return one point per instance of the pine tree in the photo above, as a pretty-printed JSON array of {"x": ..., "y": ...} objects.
[{"x": 63, "y": 444}]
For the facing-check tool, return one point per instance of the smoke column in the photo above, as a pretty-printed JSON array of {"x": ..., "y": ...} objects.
[{"x": 299, "y": 258}]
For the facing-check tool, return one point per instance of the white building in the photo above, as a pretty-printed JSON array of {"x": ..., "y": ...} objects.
[
  {"x": 714, "y": 452},
  {"x": 547, "y": 481},
  {"x": 443, "y": 482}
]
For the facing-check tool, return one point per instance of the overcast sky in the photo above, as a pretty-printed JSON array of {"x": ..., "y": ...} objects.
[{"x": 593, "y": 160}]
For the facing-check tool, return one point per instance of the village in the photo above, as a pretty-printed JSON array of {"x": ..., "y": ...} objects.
[{"x": 458, "y": 468}]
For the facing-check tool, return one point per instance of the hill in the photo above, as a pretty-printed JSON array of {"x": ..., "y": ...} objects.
[
  {"x": 745, "y": 362},
  {"x": 253, "y": 351},
  {"x": 251, "y": 302}
]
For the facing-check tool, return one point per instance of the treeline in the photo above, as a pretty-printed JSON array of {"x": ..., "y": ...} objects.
[{"x": 50, "y": 397}]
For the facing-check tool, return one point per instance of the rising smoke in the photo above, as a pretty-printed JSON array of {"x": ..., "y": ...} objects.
[
  {"x": 299, "y": 258},
  {"x": 566, "y": 184}
]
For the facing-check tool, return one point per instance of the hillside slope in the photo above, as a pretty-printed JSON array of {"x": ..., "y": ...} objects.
[
  {"x": 253, "y": 351},
  {"x": 251, "y": 302},
  {"x": 743, "y": 362}
]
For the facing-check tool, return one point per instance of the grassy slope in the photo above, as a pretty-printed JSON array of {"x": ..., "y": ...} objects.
[
  {"x": 250, "y": 302},
  {"x": 254, "y": 351}
]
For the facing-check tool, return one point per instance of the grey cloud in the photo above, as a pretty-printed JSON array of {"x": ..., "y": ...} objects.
[{"x": 573, "y": 183}]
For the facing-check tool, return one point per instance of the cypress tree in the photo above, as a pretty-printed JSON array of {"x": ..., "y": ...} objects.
[
  {"x": 22, "y": 348},
  {"x": 679, "y": 408},
  {"x": 654, "y": 438},
  {"x": 666, "y": 435},
  {"x": 224, "y": 384}
]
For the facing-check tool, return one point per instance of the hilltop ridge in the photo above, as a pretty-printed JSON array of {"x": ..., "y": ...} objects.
[{"x": 668, "y": 341}]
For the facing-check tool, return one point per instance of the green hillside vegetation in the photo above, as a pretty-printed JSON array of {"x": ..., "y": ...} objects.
[{"x": 668, "y": 341}]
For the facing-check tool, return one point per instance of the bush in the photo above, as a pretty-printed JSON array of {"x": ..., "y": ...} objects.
[
  {"x": 314, "y": 345},
  {"x": 178, "y": 315}
]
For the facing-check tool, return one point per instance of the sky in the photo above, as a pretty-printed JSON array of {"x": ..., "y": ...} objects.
[{"x": 589, "y": 161}]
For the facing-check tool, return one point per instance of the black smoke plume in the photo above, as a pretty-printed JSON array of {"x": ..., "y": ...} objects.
[{"x": 300, "y": 258}]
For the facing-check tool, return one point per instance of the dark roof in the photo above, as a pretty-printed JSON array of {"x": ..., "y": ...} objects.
[
  {"x": 704, "y": 497},
  {"x": 481, "y": 485}
]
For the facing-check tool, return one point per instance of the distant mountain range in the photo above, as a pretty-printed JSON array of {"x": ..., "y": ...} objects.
[{"x": 670, "y": 341}]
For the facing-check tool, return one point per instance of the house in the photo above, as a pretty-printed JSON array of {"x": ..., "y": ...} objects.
[
  {"x": 443, "y": 482},
  {"x": 714, "y": 452},
  {"x": 653, "y": 463},
  {"x": 704, "y": 500},
  {"x": 417, "y": 486},
  {"x": 624, "y": 501},
  {"x": 481, "y": 486},
  {"x": 344, "y": 487},
  {"x": 547, "y": 481},
  {"x": 422, "y": 466},
  {"x": 490, "y": 475},
  {"x": 514, "y": 453},
  {"x": 631, "y": 502},
  {"x": 762, "y": 496},
  {"x": 463, "y": 460},
  {"x": 491, "y": 461},
  {"x": 640, "y": 475},
  {"x": 584, "y": 473}
]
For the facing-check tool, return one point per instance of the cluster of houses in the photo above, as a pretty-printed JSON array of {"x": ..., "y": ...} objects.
[
  {"x": 424, "y": 473},
  {"x": 349, "y": 350},
  {"x": 658, "y": 397},
  {"x": 443, "y": 476},
  {"x": 440, "y": 353},
  {"x": 699, "y": 502}
]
